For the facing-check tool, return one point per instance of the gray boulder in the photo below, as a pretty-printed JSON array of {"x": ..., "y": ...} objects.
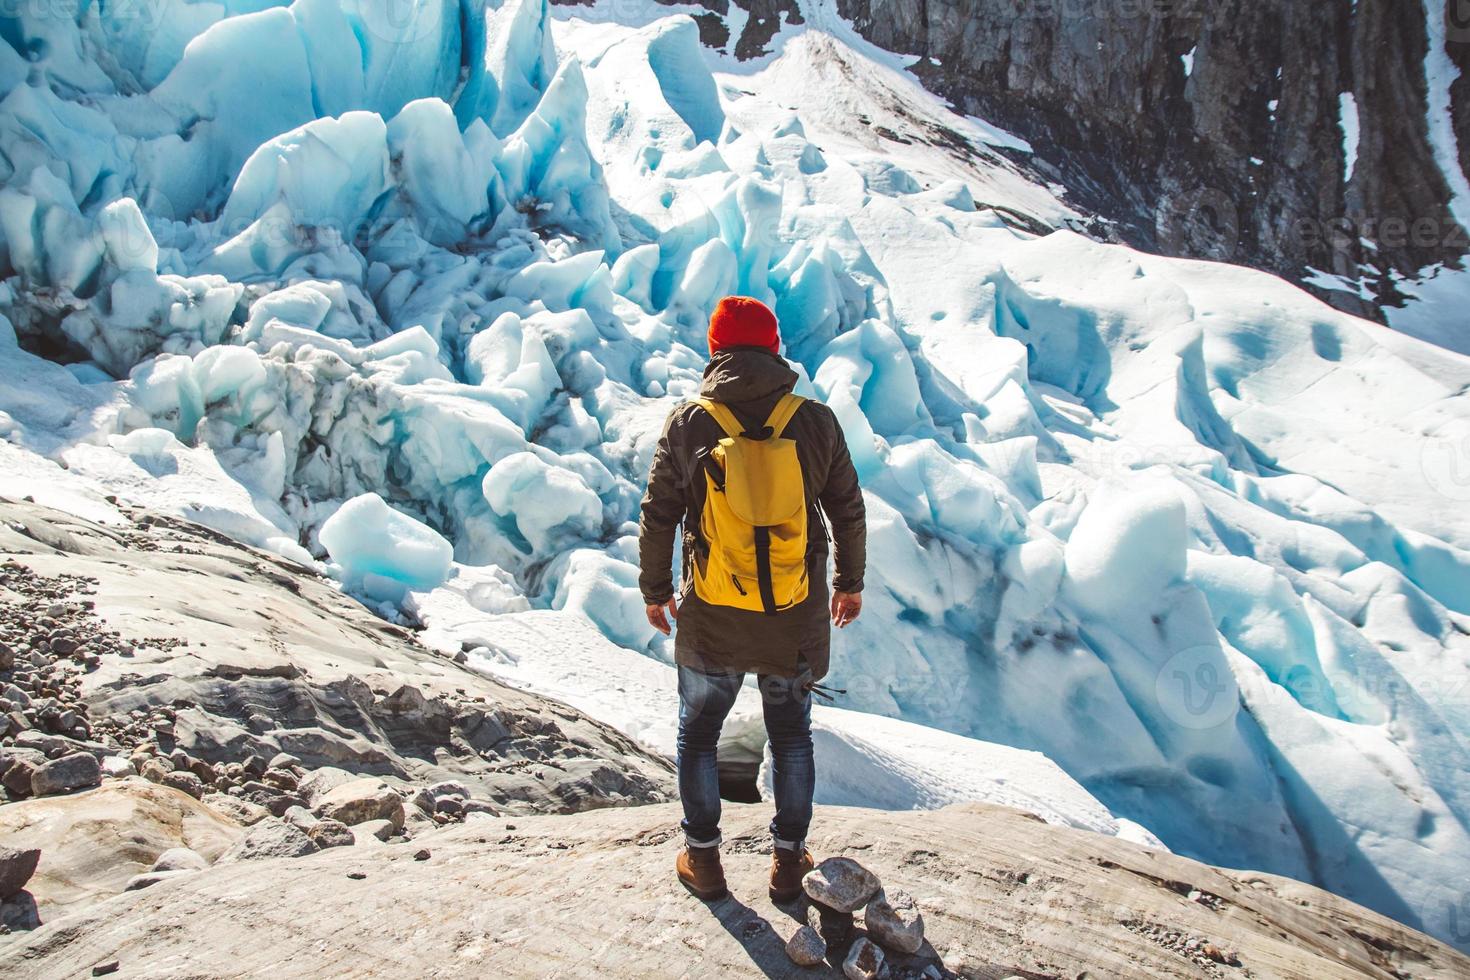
[
  {"x": 76, "y": 771},
  {"x": 372, "y": 831},
  {"x": 16, "y": 867},
  {"x": 361, "y": 800},
  {"x": 841, "y": 883},
  {"x": 116, "y": 767},
  {"x": 271, "y": 838},
  {"x": 895, "y": 922}
]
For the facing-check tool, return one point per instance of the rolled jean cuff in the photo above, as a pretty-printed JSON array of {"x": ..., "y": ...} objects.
[
  {"x": 702, "y": 843},
  {"x": 788, "y": 845}
]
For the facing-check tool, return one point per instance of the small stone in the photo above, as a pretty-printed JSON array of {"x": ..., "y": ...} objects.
[
  {"x": 895, "y": 922},
  {"x": 357, "y": 875},
  {"x": 116, "y": 767},
  {"x": 331, "y": 833},
  {"x": 283, "y": 760},
  {"x": 864, "y": 961},
  {"x": 103, "y": 969},
  {"x": 361, "y": 800},
  {"x": 806, "y": 947},
  {"x": 155, "y": 769},
  {"x": 281, "y": 779},
  {"x": 185, "y": 782},
  {"x": 840, "y": 883},
  {"x": 76, "y": 771},
  {"x": 1219, "y": 955},
  {"x": 179, "y": 859},
  {"x": 17, "y": 778},
  {"x": 422, "y": 854},
  {"x": 16, "y": 867},
  {"x": 451, "y": 805}
]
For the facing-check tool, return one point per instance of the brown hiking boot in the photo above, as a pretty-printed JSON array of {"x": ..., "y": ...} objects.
[
  {"x": 700, "y": 871},
  {"x": 788, "y": 867}
]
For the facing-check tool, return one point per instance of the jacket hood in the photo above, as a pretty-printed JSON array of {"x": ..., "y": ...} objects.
[{"x": 742, "y": 375}]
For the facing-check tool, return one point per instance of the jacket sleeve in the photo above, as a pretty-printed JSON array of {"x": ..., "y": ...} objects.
[
  {"x": 661, "y": 514},
  {"x": 842, "y": 502}
]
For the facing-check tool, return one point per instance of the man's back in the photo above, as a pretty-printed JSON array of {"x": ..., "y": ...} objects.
[
  {"x": 750, "y": 381},
  {"x": 717, "y": 643}
]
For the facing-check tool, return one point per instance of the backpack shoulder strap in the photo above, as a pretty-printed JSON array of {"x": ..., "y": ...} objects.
[
  {"x": 722, "y": 415},
  {"x": 782, "y": 413}
]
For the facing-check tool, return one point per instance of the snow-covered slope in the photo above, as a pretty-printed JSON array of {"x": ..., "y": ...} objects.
[{"x": 1194, "y": 536}]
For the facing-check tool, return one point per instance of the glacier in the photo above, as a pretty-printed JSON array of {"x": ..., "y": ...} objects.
[{"x": 1160, "y": 548}]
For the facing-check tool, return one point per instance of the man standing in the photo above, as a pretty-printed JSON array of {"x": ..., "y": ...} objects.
[{"x": 753, "y": 589}]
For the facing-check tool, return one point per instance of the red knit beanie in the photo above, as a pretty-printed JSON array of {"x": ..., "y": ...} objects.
[{"x": 740, "y": 321}]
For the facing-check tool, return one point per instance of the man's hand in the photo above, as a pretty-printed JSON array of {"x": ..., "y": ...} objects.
[
  {"x": 658, "y": 620},
  {"x": 845, "y": 607}
]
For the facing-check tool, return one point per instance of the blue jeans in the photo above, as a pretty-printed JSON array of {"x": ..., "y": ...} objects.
[{"x": 704, "y": 701}]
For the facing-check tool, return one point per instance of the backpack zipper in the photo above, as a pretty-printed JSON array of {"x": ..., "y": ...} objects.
[{"x": 738, "y": 587}]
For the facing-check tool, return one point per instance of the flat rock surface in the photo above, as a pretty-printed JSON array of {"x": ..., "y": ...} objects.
[{"x": 593, "y": 894}]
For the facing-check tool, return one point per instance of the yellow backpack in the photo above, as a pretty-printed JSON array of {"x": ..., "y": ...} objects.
[{"x": 754, "y": 518}]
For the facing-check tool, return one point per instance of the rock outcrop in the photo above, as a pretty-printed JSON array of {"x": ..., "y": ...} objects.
[
  {"x": 166, "y": 648},
  {"x": 594, "y": 893}
]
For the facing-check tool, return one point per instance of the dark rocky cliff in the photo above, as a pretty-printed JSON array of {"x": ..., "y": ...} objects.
[{"x": 1241, "y": 158}]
